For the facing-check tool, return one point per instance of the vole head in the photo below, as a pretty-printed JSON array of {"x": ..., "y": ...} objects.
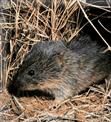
[{"x": 41, "y": 70}]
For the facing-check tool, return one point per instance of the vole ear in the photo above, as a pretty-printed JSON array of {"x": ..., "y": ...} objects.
[{"x": 60, "y": 59}]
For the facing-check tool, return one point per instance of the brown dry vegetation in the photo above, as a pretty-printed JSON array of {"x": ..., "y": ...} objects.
[{"x": 26, "y": 22}]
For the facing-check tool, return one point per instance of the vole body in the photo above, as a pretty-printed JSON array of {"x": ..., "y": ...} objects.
[
  {"x": 58, "y": 71},
  {"x": 61, "y": 71}
]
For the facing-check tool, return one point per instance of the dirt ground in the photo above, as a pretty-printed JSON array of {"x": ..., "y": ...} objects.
[{"x": 92, "y": 106}]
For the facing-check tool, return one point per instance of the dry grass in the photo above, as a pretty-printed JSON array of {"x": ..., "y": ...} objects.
[{"x": 26, "y": 22}]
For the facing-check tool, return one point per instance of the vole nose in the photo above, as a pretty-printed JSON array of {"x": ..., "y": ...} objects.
[{"x": 13, "y": 86}]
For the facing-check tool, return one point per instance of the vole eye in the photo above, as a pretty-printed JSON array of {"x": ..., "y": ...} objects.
[{"x": 31, "y": 72}]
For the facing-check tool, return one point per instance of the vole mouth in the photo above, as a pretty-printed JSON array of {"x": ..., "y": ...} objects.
[
  {"x": 43, "y": 94},
  {"x": 39, "y": 93},
  {"x": 14, "y": 88}
]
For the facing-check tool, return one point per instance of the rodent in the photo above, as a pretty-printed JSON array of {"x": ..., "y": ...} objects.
[{"x": 57, "y": 71}]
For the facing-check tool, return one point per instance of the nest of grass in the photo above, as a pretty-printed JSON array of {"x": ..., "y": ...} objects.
[{"x": 24, "y": 23}]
